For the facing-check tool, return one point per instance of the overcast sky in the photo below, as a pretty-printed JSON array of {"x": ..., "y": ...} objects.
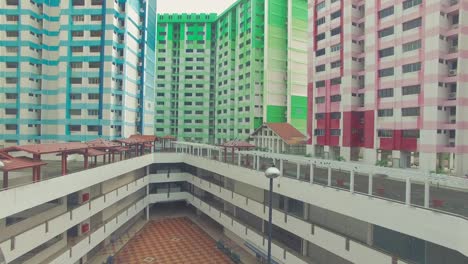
[{"x": 192, "y": 6}]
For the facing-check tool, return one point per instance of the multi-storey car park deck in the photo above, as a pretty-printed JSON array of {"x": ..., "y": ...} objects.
[{"x": 324, "y": 211}]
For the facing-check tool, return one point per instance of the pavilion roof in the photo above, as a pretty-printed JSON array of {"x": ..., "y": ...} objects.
[
  {"x": 102, "y": 143},
  {"x": 51, "y": 148},
  {"x": 18, "y": 163},
  {"x": 169, "y": 137}
]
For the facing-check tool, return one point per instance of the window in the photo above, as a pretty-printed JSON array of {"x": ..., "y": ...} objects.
[
  {"x": 94, "y": 64},
  {"x": 77, "y": 33},
  {"x": 12, "y": 2},
  {"x": 11, "y": 126},
  {"x": 335, "y": 98},
  {"x": 335, "y": 132},
  {"x": 93, "y": 112},
  {"x": 93, "y": 128},
  {"x": 336, "y": 47},
  {"x": 320, "y": 68},
  {"x": 12, "y": 65},
  {"x": 320, "y": 36},
  {"x": 12, "y": 34},
  {"x": 10, "y": 111},
  {"x": 11, "y": 80},
  {"x": 320, "y": 6},
  {"x": 319, "y": 132},
  {"x": 12, "y": 18},
  {"x": 93, "y": 96},
  {"x": 96, "y": 2},
  {"x": 77, "y": 49},
  {"x": 335, "y": 115},
  {"x": 319, "y": 52},
  {"x": 385, "y": 133},
  {"x": 386, "y": 32},
  {"x": 75, "y": 111},
  {"x": 94, "y": 80},
  {"x": 320, "y": 100},
  {"x": 410, "y": 133},
  {"x": 412, "y": 67},
  {"x": 335, "y": 81},
  {"x": 74, "y": 80},
  {"x": 386, "y": 52},
  {"x": 386, "y": 92},
  {"x": 75, "y": 96},
  {"x": 410, "y": 111},
  {"x": 96, "y": 18},
  {"x": 412, "y": 24},
  {"x": 386, "y": 72},
  {"x": 385, "y": 112},
  {"x": 319, "y": 84},
  {"x": 335, "y": 31},
  {"x": 335, "y": 64},
  {"x": 386, "y": 12},
  {"x": 320, "y": 21},
  {"x": 319, "y": 116},
  {"x": 413, "y": 45},
  {"x": 11, "y": 96},
  {"x": 412, "y": 89},
  {"x": 78, "y": 2},
  {"x": 12, "y": 49},
  {"x": 336, "y": 14},
  {"x": 410, "y": 3},
  {"x": 95, "y": 33}
]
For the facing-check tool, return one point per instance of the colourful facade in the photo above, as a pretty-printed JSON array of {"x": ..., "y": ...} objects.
[
  {"x": 385, "y": 85},
  {"x": 73, "y": 70},
  {"x": 185, "y": 72},
  {"x": 258, "y": 69}
]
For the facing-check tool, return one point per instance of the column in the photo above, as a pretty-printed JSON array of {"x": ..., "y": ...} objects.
[
  {"x": 147, "y": 206},
  {"x": 371, "y": 176},
  {"x": 258, "y": 161},
  {"x": 408, "y": 192},
  {"x": 281, "y": 167},
  {"x": 239, "y": 158},
  {"x": 351, "y": 181},
  {"x": 329, "y": 175},
  {"x": 426, "y": 194},
  {"x": 312, "y": 166},
  {"x": 298, "y": 171},
  {"x": 278, "y": 146}
]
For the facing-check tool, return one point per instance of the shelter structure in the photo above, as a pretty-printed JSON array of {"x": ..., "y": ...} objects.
[{"x": 233, "y": 145}]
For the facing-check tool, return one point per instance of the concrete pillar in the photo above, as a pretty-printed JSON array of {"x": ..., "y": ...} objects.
[
  {"x": 329, "y": 175},
  {"x": 306, "y": 211},
  {"x": 408, "y": 192},
  {"x": 370, "y": 234},
  {"x": 258, "y": 162},
  {"x": 351, "y": 181},
  {"x": 278, "y": 146},
  {"x": 281, "y": 167},
  {"x": 312, "y": 166},
  {"x": 426, "y": 194},
  {"x": 298, "y": 171},
  {"x": 239, "y": 158},
  {"x": 371, "y": 176},
  {"x": 304, "y": 247},
  {"x": 147, "y": 206}
]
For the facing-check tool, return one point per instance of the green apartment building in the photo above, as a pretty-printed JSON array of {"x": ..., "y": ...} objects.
[{"x": 251, "y": 68}]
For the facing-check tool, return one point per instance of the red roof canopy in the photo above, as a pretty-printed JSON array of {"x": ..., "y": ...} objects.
[
  {"x": 102, "y": 143},
  {"x": 19, "y": 163},
  {"x": 169, "y": 137},
  {"x": 51, "y": 148},
  {"x": 287, "y": 132}
]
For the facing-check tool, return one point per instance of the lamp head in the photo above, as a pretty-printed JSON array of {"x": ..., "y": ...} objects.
[{"x": 272, "y": 172}]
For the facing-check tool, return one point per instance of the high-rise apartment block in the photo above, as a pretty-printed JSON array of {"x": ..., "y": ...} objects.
[
  {"x": 249, "y": 67},
  {"x": 74, "y": 70},
  {"x": 385, "y": 84}
]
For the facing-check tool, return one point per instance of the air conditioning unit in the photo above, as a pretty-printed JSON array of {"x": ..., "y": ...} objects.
[{"x": 452, "y": 72}]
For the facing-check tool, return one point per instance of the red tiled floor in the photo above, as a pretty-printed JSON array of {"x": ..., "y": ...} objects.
[{"x": 171, "y": 241}]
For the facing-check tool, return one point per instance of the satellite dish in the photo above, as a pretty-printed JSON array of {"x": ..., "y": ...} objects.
[{"x": 2, "y": 257}]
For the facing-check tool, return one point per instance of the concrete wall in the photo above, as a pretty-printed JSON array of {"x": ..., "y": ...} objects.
[{"x": 250, "y": 191}]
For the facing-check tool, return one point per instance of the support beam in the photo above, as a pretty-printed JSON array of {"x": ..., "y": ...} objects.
[
  {"x": 64, "y": 163},
  {"x": 312, "y": 166},
  {"x": 426, "y": 194},
  {"x": 298, "y": 171},
  {"x": 408, "y": 191}
]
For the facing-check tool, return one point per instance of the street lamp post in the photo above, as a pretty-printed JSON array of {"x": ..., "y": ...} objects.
[{"x": 270, "y": 173}]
